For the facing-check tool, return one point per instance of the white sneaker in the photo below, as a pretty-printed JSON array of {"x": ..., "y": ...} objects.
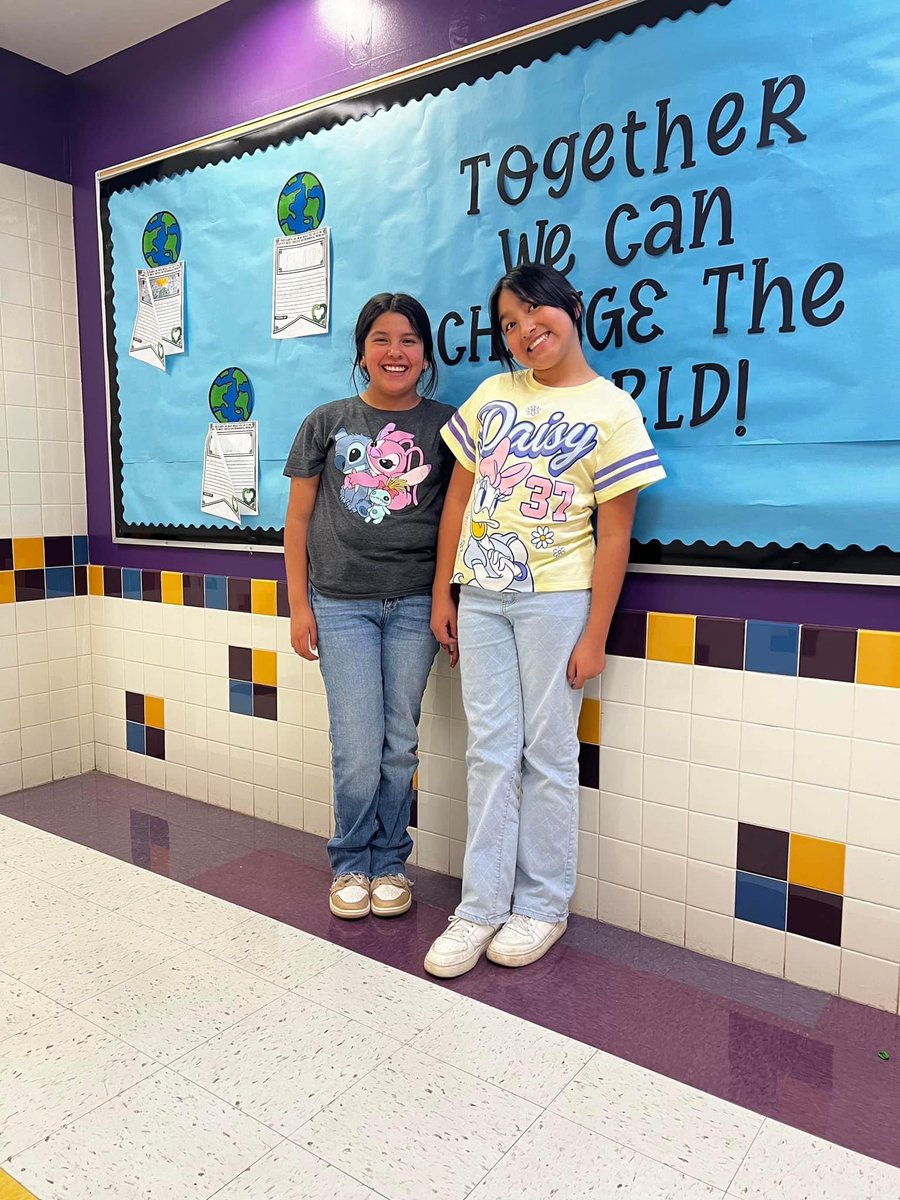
[
  {"x": 524, "y": 940},
  {"x": 458, "y": 948}
]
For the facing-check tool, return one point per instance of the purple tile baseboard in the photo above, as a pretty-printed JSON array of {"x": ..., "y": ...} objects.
[{"x": 800, "y": 1056}]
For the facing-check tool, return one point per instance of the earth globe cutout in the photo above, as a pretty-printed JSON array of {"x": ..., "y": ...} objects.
[
  {"x": 231, "y": 396},
  {"x": 301, "y": 204},
  {"x": 161, "y": 240}
]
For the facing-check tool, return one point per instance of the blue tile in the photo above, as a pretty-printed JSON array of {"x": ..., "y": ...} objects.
[
  {"x": 134, "y": 736},
  {"x": 131, "y": 583},
  {"x": 81, "y": 550},
  {"x": 241, "y": 696},
  {"x": 772, "y": 647},
  {"x": 60, "y": 581},
  {"x": 760, "y": 900},
  {"x": 216, "y": 589}
]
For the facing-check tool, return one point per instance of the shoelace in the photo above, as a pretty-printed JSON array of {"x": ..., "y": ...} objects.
[
  {"x": 454, "y": 931},
  {"x": 343, "y": 881},
  {"x": 521, "y": 924},
  {"x": 397, "y": 880}
]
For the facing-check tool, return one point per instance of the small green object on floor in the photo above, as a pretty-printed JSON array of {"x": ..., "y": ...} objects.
[{"x": 884, "y": 1056}]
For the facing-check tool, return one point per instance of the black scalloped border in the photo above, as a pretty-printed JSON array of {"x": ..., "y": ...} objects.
[{"x": 645, "y": 13}]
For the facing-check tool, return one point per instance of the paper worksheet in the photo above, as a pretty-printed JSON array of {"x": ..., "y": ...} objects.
[
  {"x": 230, "y": 484},
  {"x": 167, "y": 295},
  {"x": 146, "y": 342},
  {"x": 301, "y": 284}
]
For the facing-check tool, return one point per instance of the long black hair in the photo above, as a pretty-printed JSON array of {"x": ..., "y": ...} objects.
[
  {"x": 535, "y": 284},
  {"x": 406, "y": 306}
]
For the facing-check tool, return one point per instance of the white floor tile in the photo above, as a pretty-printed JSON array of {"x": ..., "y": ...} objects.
[
  {"x": 21, "y": 1007},
  {"x": 417, "y": 1128},
  {"x": 378, "y": 996},
  {"x": 687, "y": 1129},
  {"x": 184, "y": 913},
  {"x": 91, "y": 958},
  {"x": 13, "y": 832},
  {"x": 556, "y": 1159},
  {"x": 162, "y": 1138},
  {"x": 532, "y": 1062},
  {"x": 177, "y": 1006},
  {"x": 112, "y": 884},
  {"x": 37, "y": 911},
  {"x": 277, "y": 953},
  {"x": 787, "y": 1164},
  {"x": 13, "y": 881},
  {"x": 289, "y": 1173},
  {"x": 287, "y": 1061},
  {"x": 56, "y": 1071},
  {"x": 46, "y": 856}
]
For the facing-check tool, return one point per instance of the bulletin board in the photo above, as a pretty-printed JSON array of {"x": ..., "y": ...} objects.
[{"x": 717, "y": 178}]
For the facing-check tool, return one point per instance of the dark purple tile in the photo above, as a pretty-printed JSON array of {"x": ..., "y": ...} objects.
[
  {"x": 762, "y": 851},
  {"x": 81, "y": 581},
  {"x": 265, "y": 701},
  {"x": 827, "y": 653},
  {"x": 814, "y": 914},
  {"x": 151, "y": 586},
  {"x": 719, "y": 642},
  {"x": 6, "y": 554},
  {"x": 588, "y": 765},
  {"x": 238, "y": 595},
  {"x": 283, "y": 607},
  {"x": 156, "y": 742},
  {"x": 58, "y": 552},
  {"x": 30, "y": 584},
  {"x": 193, "y": 591},
  {"x": 628, "y": 634},
  {"x": 112, "y": 581},
  {"x": 134, "y": 707},
  {"x": 414, "y": 811},
  {"x": 240, "y": 663}
]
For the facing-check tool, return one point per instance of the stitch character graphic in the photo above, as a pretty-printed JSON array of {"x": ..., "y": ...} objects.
[
  {"x": 396, "y": 464},
  {"x": 350, "y": 453},
  {"x": 499, "y": 561}
]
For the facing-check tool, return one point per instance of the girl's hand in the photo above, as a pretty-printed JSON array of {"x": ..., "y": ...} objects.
[
  {"x": 443, "y": 625},
  {"x": 586, "y": 660},
  {"x": 304, "y": 633}
]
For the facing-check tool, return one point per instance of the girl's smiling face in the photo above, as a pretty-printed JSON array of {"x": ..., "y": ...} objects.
[
  {"x": 539, "y": 336},
  {"x": 394, "y": 359}
]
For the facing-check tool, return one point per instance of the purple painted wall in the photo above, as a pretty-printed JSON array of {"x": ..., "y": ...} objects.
[
  {"x": 35, "y": 117},
  {"x": 248, "y": 58}
]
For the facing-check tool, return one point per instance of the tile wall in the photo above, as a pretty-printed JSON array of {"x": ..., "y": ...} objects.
[{"x": 46, "y": 724}]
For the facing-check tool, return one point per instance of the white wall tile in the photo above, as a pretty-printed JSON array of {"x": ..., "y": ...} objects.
[
  {"x": 665, "y": 828},
  {"x": 819, "y": 811},
  {"x": 769, "y": 699},
  {"x": 710, "y": 887},
  {"x": 619, "y": 863},
  {"x": 623, "y": 680},
  {"x": 767, "y": 750},
  {"x": 623, "y": 725},
  {"x": 666, "y": 781},
  {"x": 876, "y": 715},
  {"x": 709, "y": 933},
  {"x": 715, "y": 742},
  {"x": 618, "y": 905},
  {"x": 825, "y": 706},
  {"x": 714, "y": 791},
  {"x": 822, "y": 759},
  {"x": 717, "y": 693},
  {"x": 874, "y": 821},
  {"x": 811, "y": 963},
  {"x": 871, "y": 929},
  {"x": 664, "y": 874},
  {"x": 668, "y": 685},
  {"x": 712, "y": 839},
  {"x": 620, "y": 772},
  {"x": 667, "y": 734},
  {"x": 663, "y": 919},
  {"x": 875, "y": 768},
  {"x": 873, "y": 876},
  {"x": 869, "y": 980},
  {"x": 758, "y": 947},
  {"x": 620, "y": 817}
]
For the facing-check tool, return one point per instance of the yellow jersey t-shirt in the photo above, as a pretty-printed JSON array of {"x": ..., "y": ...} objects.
[{"x": 543, "y": 459}]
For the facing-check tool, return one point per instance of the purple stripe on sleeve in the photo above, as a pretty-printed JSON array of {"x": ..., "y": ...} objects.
[
  {"x": 650, "y": 465},
  {"x": 457, "y": 427},
  {"x": 649, "y": 453}
]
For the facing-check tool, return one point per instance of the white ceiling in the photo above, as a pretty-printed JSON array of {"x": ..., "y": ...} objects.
[{"x": 70, "y": 35}]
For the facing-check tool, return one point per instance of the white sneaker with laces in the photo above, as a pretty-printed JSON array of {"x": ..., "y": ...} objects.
[
  {"x": 523, "y": 940},
  {"x": 458, "y": 948}
]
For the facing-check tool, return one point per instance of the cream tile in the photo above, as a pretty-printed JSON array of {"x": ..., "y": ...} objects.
[
  {"x": 532, "y": 1062},
  {"x": 769, "y": 699},
  {"x": 47, "y": 857},
  {"x": 823, "y": 759},
  {"x": 871, "y": 929},
  {"x": 378, "y": 996},
  {"x": 35, "y": 912},
  {"x": 555, "y": 1158},
  {"x": 91, "y": 958},
  {"x": 766, "y": 750},
  {"x": 163, "y": 1137},
  {"x": 759, "y": 948},
  {"x": 668, "y": 685},
  {"x": 14, "y": 881},
  {"x": 717, "y": 693},
  {"x": 715, "y": 742},
  {"x": 663, "y": 919},
  {"x": 57, "y": 1071},
  {"x": 289, "y": 1173},
  {"x": 285, "y": 1063},
  {"x": 112, "y": 884},
  {"x": 825, "y": 706},
  {"x": 277, "y": 953},
  {"x": 660, "y": 1117},
  {"x": 787, "y": 1164},
  {"x": 869, "y": 980},
  {"x": 666, "y": 781},
  {"x": 819, "y": 811},
  {"x": 175, "y": 1007},
  {"x": 21, "y": 1007},
  {"x": 13, "y": 832},
  {"x": 876, "y": 716},
  {"x": 709, "y": 933},
  {"x": 811, "y": 963},
  {"x": 623, "y": 679},
  {"x": 440, "y": 1134},
  {"x": 667, "y": 734},
  {"x": 184, "y": 913}
]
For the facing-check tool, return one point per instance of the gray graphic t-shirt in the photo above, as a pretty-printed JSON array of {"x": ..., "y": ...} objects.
[{"x": 383, "y": 476}]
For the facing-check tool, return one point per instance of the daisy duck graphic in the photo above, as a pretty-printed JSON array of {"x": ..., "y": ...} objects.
[
  {"x": 499, "y": 561},
  {"x": 381, "y": 476}
]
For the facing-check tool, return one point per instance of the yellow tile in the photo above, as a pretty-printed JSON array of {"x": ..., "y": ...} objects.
[
  {"x": 878, "y": 658},
  {"x": 415, "y": 782},
  {"x": 155, "y": 712},
  {"x": 670, "y": 637},
  {"x": 589, "y": 722},
  {"x": 10, "y": 1190},
  {"x": 28, "y": 553},
  {"x": 262, "y": 597},
  {"x": 95, "y": 580},
  {"x": 172, "y": 587},
  {"x": 7, "y": 587},
  {"x": 816, "y": 863},
  {"x": 265, "y": 667}
]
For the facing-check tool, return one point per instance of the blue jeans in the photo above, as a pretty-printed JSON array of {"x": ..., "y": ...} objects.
[
  {"x": 375, "y": 657},
  {"x": 522, "y": 758}
]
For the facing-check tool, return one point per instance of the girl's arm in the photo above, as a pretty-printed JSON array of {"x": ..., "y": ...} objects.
[
  {"x": 614, "y": 521},
  {"x": 443, "y": 608},
  {"x": 301, "y": 501}
]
